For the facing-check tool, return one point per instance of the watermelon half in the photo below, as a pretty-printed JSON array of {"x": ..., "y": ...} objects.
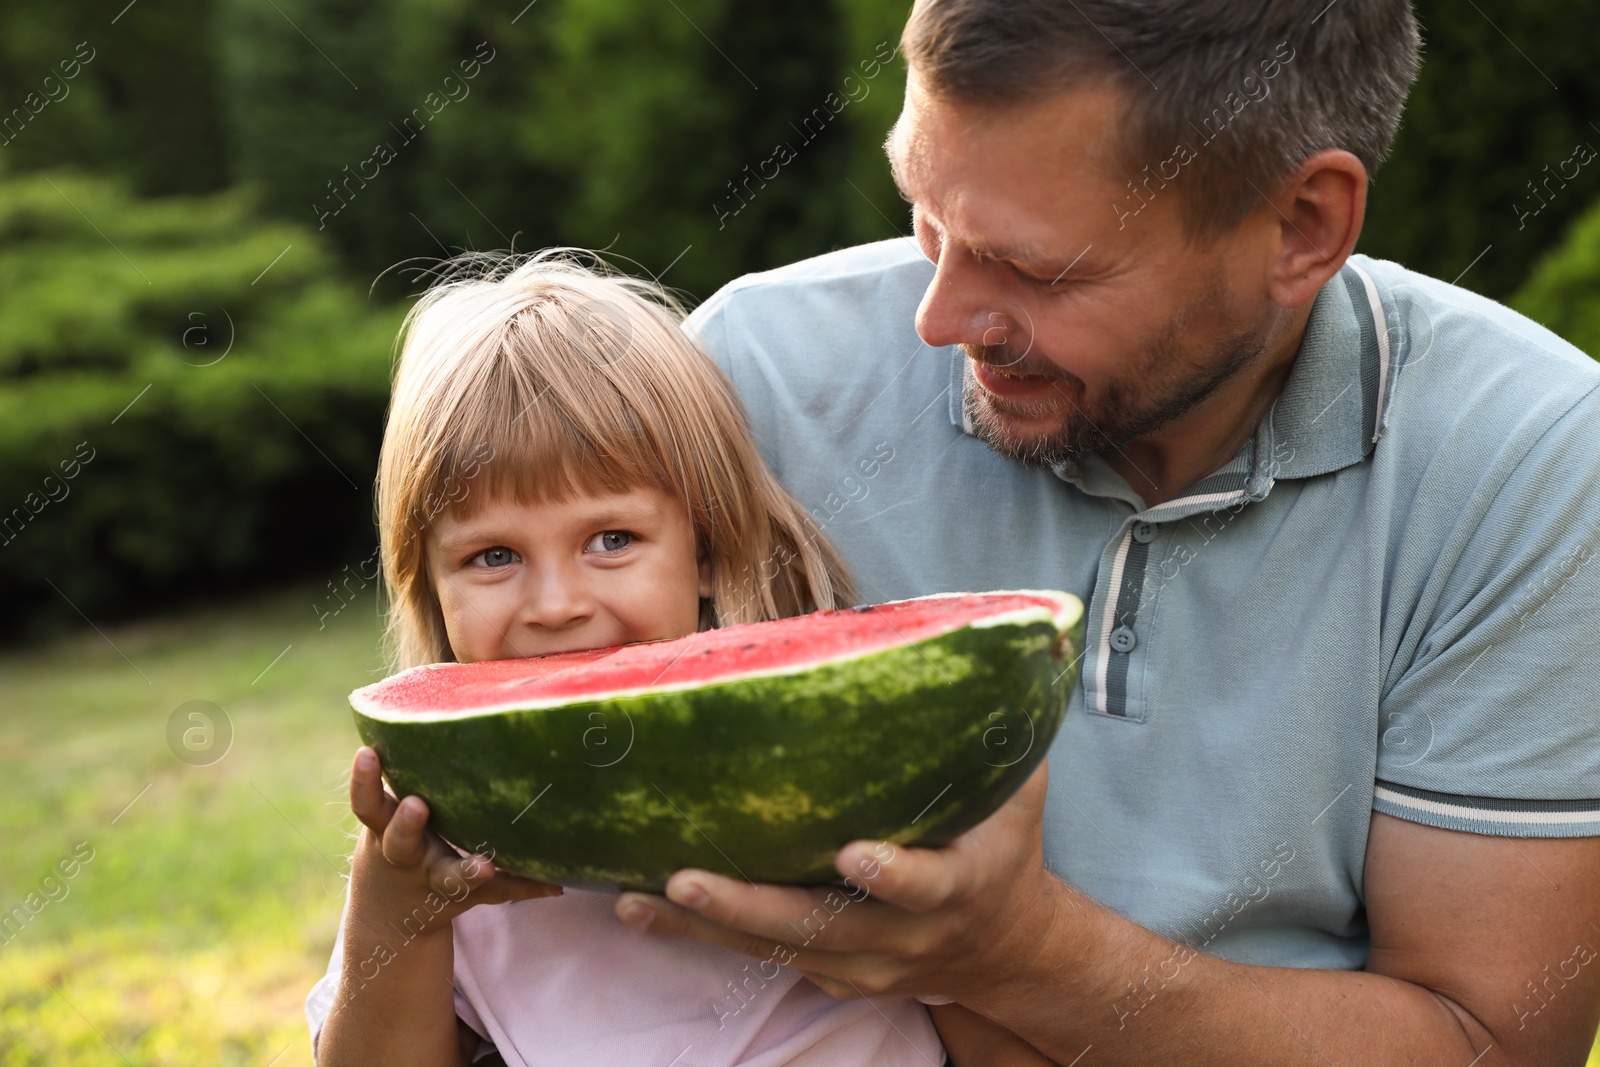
[{"x": 756, "y": 751}]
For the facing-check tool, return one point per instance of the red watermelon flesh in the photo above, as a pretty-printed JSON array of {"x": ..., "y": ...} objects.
[{"x": 802, "y": 642}]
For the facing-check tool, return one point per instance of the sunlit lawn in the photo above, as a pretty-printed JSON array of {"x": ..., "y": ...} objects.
[{"x": 210, "y": 903}]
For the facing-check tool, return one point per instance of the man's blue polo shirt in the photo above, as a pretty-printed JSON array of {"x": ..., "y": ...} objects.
[{"x": 1387, "y": 601}]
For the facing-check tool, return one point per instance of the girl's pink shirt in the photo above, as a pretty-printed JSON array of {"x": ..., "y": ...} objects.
[{"x": 560, "y": 981}]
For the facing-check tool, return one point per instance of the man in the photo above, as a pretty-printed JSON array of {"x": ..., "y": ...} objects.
[{"x": 1327, "y": 789}]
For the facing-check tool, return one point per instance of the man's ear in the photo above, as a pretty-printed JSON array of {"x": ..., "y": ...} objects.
[{"x": 1317, "y": 211}]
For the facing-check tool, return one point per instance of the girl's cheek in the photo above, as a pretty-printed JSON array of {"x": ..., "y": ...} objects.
[
  {"x": 463, "y": 623},
  {"x": 460, "y": 646}
]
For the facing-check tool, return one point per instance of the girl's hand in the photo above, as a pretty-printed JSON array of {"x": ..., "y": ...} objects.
[
  {"x": 406, "y": 883},
  {"x": 404, "y": 873}
]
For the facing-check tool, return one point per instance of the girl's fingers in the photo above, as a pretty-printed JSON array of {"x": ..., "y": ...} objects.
[
  {"x": 505, "y": 886},
  {"x": 401, "y": 828},
  {"x": 453, "y": 874},
  {"x": 405, "y": 839},
  {"x": 372, "y": 805}
]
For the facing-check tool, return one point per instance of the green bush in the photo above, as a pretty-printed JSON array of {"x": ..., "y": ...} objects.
[
  {"x": 1508, "y": 88},
  {"x": 189, "y": 399},
  {"x": 1564, "y": 291}
]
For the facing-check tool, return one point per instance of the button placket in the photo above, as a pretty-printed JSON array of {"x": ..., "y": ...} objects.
[{"x": 1112, "y": 684}]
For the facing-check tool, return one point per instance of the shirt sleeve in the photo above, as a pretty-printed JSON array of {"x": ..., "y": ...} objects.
[{"x": 1493, "y": 724}]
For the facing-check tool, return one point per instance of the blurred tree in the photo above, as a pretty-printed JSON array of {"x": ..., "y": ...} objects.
[
  {"x": 309, "y": 87},
  {"x": 1508, "y": 87},
  {"x": 723, "y": 132},
  {"x": 135, "y": 96},
  {"x": 875, "y": 206}
]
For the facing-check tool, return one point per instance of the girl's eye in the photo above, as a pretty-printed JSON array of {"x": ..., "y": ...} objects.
[
  {"x": 495, "y": 557},
  {"x": 611, "y": 541}
]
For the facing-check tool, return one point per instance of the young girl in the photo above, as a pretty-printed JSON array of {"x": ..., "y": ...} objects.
[{"x": 562, "y": 469}]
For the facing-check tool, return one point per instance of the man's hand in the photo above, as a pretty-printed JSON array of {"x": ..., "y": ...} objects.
[{"x": 955, "y": 921}]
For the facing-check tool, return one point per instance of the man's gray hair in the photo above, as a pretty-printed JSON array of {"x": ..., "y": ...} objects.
[{"x": 1224, "y": 98}]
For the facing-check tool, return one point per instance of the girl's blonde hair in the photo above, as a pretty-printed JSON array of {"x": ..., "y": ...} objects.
[{"x": 539, "y": 377}]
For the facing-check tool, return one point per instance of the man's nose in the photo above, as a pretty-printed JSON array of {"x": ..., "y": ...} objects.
[
  {"x": 556, "y": 598},
  {"x": 962, "y": 306}
]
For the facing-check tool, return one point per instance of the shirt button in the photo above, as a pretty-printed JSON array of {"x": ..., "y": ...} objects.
[
  {"x": 1123, "y": 639},
  {"x": 1144, "y": 532}
]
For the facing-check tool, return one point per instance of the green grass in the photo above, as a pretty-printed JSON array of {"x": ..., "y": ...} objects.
[{"x": 210, "y": 904}]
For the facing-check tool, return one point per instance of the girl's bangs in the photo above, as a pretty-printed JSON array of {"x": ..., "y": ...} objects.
[{"x": 516, "y": 438}]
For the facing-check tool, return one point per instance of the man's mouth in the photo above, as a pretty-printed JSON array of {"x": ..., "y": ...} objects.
[
  {"x": 1007, "y": 382},
  {"x": 1009, "y": 373}
]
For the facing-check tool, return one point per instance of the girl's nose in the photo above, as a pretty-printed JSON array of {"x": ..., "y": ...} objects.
[{"x": 556, "y": 598}]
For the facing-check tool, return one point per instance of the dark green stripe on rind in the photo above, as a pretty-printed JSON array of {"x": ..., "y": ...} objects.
[{"x": 761, "y": 777}]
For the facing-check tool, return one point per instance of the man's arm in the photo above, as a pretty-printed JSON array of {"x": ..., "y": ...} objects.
[{"x": 1483, "y": 953}]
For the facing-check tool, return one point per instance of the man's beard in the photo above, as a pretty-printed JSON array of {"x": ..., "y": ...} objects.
[{"x": 1163, "y": 387}]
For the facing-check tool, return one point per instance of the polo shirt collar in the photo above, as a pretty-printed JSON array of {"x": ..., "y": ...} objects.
[
  {"x": 1334, "y": 407},
  {"x": 1330, "y": 414}
]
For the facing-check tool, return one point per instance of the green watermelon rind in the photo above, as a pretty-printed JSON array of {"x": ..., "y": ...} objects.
[{"x": 755, "y": 777}]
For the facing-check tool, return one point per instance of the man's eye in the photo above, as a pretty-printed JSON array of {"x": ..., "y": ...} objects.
[
  {"x": 1036, "y": 279},
  {"x": 610, "y": 541},
  {"x": 495, "y": 557},
  {"x": 928, "y": 239}
]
